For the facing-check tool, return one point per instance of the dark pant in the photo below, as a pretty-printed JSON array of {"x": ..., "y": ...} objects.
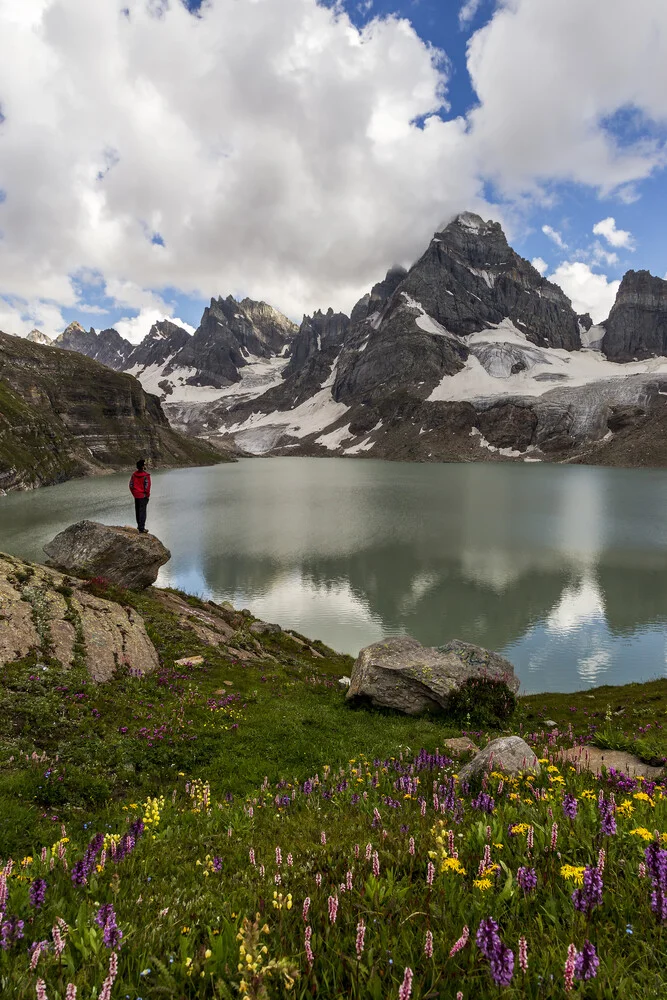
[{"x": 140, "y": 510}]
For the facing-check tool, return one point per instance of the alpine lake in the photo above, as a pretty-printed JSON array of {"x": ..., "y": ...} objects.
[{"x": 562, "y": 569}]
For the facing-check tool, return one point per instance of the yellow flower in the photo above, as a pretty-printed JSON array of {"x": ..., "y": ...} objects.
[
  {"x": 543, "y": 760},
  {"x": 185, "y": 930},
  {"x": 482, "y": 883},
  {"x": 572, "y": 873},
  {"x": 642, "y": 832},
  {"x": 452, "y": 865},
  {"x": 188, "y": 963},
  {"x": 499, "y": 846},
  {"x": 643, "y": 797},
  {"x": 520, "y": 827},
  {"x": 588, "y": 794},
  {"x": 552, "y": 769},
  {"x": 208, "y": 953},
  {"x": 26, "y": 861},
  {"x": 626, "y": 808}
]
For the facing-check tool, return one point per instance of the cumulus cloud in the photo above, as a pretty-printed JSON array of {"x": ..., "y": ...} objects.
[
  {"x": 468, "y": 12},
  {"x": 135, "y": 329},
  {"x": 590, "y": 293},
  {"x": 270, "y": 148},
  {"x": 616, "y": 237},
  {"x": 540, "y": 265},
  {"x": 554, "y": 235}
]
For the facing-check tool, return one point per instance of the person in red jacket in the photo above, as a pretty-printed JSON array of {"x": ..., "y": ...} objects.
[{"x": 140, "y": 488}]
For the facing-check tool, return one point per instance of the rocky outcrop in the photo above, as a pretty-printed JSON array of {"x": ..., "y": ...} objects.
[
  {"x": 55, "y": 619},
  {"x": 321, "y": 333},
  {"x": 107, "y": 347},
  {"x": 64, "y": 415},
  {"x": 510, "y": 754},
  {"x": 228, "y": 338},
  {"x": 37, "y": 337},
  {"x": 404, "y": 675},
  {"x": 161, "y": 343},
  {"x": 120, "y": 555},
  {"x": 637, "y": 324}
]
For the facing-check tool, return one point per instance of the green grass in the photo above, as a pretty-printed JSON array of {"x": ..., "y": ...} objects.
[{"x": 87, "y": 757}]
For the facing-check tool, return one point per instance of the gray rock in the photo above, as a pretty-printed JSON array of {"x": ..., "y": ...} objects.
[
  {"x": 403, "y": 674},
  {"x": 319, "y": 332},
  {"x": 637, "y": 324},
  {"x": 509, "y": 754},
  {"x": 120, "y": 555},
  {"x": 107, "y": 347},
  {"x": 264, "y": 628}
]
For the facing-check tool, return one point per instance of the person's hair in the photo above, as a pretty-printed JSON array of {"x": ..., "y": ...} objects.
[{"x": 140, "y": 464}]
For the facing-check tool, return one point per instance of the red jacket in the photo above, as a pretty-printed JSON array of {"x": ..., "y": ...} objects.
[{"x": 140, "y": 485}]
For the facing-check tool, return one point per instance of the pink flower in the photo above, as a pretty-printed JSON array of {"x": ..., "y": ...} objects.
[
  {"x": 277, "y": 879},
  {"x": 423, "y": 812},
  {"x": 569, "y": 967},
  {"x": 323, "y": 837},
  {"x": 430, "y": 873},
  {"x": 348, "y": 880},
  {"x": 642, "y": 870},
  {"x": 310, "y": 958},
  {"x": 554, "y": 836},
  {"x": 41, "y": 990},
  {"x": 290, "y": 860},
  {"x": 602, "y": 857},
  {"x": 4, "y": 892},
  {"x": 279, "y": 857},
  {"x": 369, "y": 851},
  {"x": 306, "y": 907},
  {"x": 333, "y": 909},
  {"x": 318, "y": 880},
  {"x": 361, "y": 933},
  {"x": 523, "y": 954},
  {"x": 405, "y": 991},
  {"x": 261, "y": 870},
  {"x": 376, "y": 864},
  {"x": 428, "y": 944},
  {"x": 70, "y": 993},
  {"x": 459, "y": 995},
  {"x": 58, "y": 941},
  {"x": 461, "y": 943},
  {"x": 529, "y": 838},
  {"x": 251, "y": 855},
  {"x": 411, "y": 846},
  {"x": 356, "y": 850},
  {"x": 450, "y": 843}
]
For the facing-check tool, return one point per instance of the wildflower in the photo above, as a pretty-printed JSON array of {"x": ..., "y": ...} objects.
[
  {"x": 482, "y": 883},
  {"x": 586, "y": 962},
  {"x": 361, "y": 932},
  {"x": 570, "y": 806},
  {"x": 318, "y": 880},
  {"x": 37, "y": 893},
  {"x": 643, "y": 797},
  {"x": 70, "y": 993},
  {"x": 323, "y": 837},
  {"x": 452, "y": 865},
  {"x": 607, "y": 821},
  {"x": 430, "y": 873},
  {"x": 290, "y": 860},
  {"x": 279, "y": 857},
  {"x": 573, "y": 873},
  {"x": 411, "y": 845},
  {"x": 251, "y": 856},
  {"x": 460, "y": 943},
  {"x": 487, "y": 936},
  {"x": 602, "y": 857},
  {"x": 428, "y": 944},
  {"x": 333, "y": 909},
  {"x": 501, "y": 958},
  {"x": 641, "y": 871},
  {"x": 40, "y": 989},
  {"x": 590, "y": 895},
  {"x": 310, "y": 958},
  {"x": 58, "y": 941},
  {"x": 529, "y": 839},
  {"x": 405, "y": 991},
  {"x": 570, "y": 967},
  {"x": 527, "y": 878},
  {"x": 554, "y": 836},
  {"x": 306, "y": 907},
  {"x": 642, "y": 832},
  {"x": 376, "y": 864},
  {"x": 36, "y": 950},
  {"x": 523, "y": 954},
  {"x": 11, "y": 932}
]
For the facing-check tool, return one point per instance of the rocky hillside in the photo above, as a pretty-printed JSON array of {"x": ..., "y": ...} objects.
[
  {"x": 65, "y": 415},
  {"x": 637, "y": 325}
]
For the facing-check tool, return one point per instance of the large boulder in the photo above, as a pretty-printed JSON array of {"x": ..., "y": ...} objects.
[
  {"x": 120, "y": 555},
  {"x": 403, "y": 674},
  {"x": 44, "y": 612},
  {"x": 509, "y": 754}
]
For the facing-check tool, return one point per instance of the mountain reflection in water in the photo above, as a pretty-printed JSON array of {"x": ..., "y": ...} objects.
[{"x": 560, "y": 568}]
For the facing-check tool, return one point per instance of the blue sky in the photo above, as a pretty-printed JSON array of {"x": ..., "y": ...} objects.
[{"x": 159, "y": 226}]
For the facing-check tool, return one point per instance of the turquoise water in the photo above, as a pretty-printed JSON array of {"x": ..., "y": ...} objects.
[{"x": 563, "y": 569}]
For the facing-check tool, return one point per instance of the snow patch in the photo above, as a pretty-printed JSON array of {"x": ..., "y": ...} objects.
[
  {"x": 426, "y": 322},
  {"x": 483, "y": 443},
  {"x": 334, "y": 439},
  {"x": 487, "y": 276}
]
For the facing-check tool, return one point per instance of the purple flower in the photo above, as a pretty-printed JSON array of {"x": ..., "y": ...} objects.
[
  {"x": 586, "y": 963},
  {"x": 217, "y": 864},
  {"x": 106, "y": 918},
  {"x": 487, "y": 937},
  {"x": 570, "y": 805},
  {"x": 484, "y": 802},
  {"x": 527, "y": 878},
  {"x": 502, "y": 965},
  {"x": 607, "y": 820},
  {"x": 104, "y": 914},
  {"x": 37, "y": 893},
  {"x": 11, "y": 932},
  {"x": 590, "y": 895}
]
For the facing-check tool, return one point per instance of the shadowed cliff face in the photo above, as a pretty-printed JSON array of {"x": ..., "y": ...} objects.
[
  {"x": 64, "y": 415},
  {"x": 637, "y": 324}
]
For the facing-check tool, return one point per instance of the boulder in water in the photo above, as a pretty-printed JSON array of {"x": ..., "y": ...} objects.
[
  {"x": 122, "y": 556},
  {"x": 403, "y": 674}
]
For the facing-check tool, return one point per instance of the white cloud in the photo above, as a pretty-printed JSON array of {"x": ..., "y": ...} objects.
[
  {"x": 601, "y": 256},
  {"x": 20, "y": 317},
  {"x": 554, "y": 235},
  {"x": 296, "y": 180},
  {"x": 616, "y": 237},
  {"x": 468, "y": 12},
  {"x": 590, "y": 293},
  {"x": 540, "y": 265}
]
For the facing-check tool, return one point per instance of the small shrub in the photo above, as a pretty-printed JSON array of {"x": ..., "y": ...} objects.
[{"x": 482, "y": 701}]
